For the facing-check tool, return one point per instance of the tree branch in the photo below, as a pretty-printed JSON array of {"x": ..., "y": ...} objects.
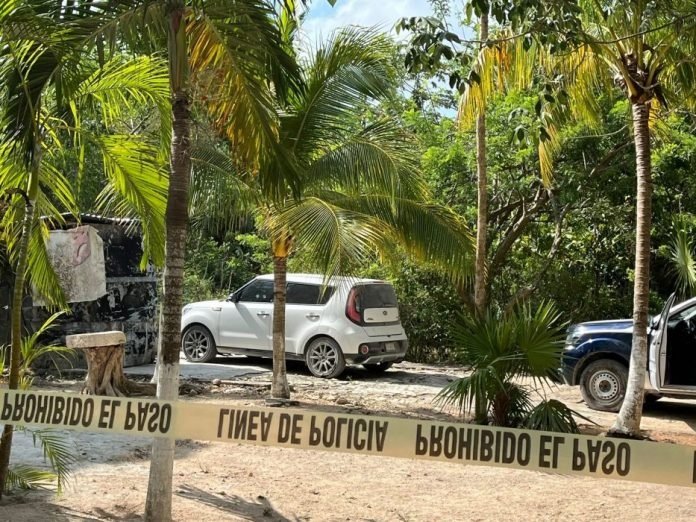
[
  {"x": 516, "y": 231},
  {"x": 609, "y": 156},
  {"x": 524, "y": 293}
]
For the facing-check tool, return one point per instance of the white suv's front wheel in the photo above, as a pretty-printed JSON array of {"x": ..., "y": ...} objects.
[
  {"x": 198, "y": 344},
  {"x": 324, "y": 358}
]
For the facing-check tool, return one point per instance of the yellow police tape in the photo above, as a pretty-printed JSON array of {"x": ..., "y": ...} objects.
[{"x": 365, "y": 434}]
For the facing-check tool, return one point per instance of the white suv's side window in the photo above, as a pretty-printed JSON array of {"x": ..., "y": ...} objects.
[
  {"x": 306, "y": 294},
  {"x": 259, "y": 291}
]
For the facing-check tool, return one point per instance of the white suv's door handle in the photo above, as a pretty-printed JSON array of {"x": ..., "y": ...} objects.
[
  {"x": 262, "y": 314},
  {"x": 313, "y": 316}
]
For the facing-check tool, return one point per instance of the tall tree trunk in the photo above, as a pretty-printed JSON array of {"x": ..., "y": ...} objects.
[
  {"x": 480, "y": 278},
  {"x": 480, "y": 268},
  {"x": 158, "y": 506},
  {"x": 628, "y": 420},
  {"x": 279, "y": 386},
  {"x": 16, "y": 313}
]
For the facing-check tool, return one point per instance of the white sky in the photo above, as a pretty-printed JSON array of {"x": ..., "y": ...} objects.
[{"x": 322, "y": 18}]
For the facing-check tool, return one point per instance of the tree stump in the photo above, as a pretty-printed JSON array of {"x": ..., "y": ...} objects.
[{"x": 104, "y": 353}]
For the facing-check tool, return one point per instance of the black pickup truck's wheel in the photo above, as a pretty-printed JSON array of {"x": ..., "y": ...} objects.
[{"x": 603, "y": 384}]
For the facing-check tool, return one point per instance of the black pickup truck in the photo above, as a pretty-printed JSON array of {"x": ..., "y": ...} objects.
[{"x": 596, "y": 357}]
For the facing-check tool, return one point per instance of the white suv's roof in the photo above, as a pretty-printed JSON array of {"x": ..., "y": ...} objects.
[{"x": 318, "y": 279}]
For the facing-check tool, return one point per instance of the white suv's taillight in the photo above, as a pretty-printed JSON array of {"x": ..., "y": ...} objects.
[{"x": 352, "y": 311}]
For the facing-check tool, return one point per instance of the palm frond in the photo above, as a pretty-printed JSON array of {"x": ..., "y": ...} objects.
[
  {"x": 539, "y": 338},
  {"x": 351, "y": 68},
  {"x": 551, "y": 415},
  {"x": 682, "y": 256},
  {"x": 33, "y": 349},
  {"x": 380, "y": 158},
  {"x": 232, "y": 52},
  {"x": 427, "y": 231},
  {"x": 222, "y": 197},
  {"x": 137, "y": 188},
  {"x": 333, "y": 238},
  {"x": 22, "y": 476},
  {"x": 502, "y": 67},
  {"x": 121, "y": 87},
  {"x": 472, "y": 391},
  {"x": 501, "y": 348},
  {"x": 108, "y": 26},
  {"x": 57, "y": 451},
  {"x": 24, "y": 76},
  {"x": 40, "y": 270}
]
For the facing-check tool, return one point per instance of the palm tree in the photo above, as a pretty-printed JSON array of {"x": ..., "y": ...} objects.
[
  {"x": 49, "y": 83},
  {"x": 234, "y": 51},
  {"x": 359, "y": 184},
  {"x": 647, "y": 49}
]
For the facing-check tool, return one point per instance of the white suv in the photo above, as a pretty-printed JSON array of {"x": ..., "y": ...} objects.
[{"x": 347, "y": 321}]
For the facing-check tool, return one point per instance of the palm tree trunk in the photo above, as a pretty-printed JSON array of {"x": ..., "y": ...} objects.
[
  {"x": 279, "y": 386},
  {"x": 16, "y": 318},
  {"x": 628, "y": 420},
  {"x": 158, "y": 505},
  {"x": 480, "y": 282}
]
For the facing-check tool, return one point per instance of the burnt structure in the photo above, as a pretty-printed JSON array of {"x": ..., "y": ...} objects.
[{"x": 130, "y": 304}]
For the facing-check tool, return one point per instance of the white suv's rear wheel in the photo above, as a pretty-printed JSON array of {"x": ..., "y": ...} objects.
[
  {"x": 198, "y": 344},
  {"x": 324, "y": 358}
]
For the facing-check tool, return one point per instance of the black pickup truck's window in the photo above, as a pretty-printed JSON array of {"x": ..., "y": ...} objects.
[
  {"x": 685, "y": 315},
  {"x": 302, "y": 293}
]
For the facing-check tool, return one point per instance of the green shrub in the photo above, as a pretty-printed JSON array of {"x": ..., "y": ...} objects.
[{"x": 501, "y": 349}]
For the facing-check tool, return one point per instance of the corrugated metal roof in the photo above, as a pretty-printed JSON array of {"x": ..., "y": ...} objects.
[{"x": 87, "y": 218}]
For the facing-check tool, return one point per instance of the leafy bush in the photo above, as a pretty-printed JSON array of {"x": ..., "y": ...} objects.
[
  {"x": 215, "y": 269},
  {"x": 503, "y": 348}
]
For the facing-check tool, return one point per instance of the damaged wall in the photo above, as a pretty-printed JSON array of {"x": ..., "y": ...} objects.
[{"x": 130, "y": 303}]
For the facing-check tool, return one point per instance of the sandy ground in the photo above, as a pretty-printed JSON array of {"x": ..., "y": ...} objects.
[{"x": 238, "y": 482}]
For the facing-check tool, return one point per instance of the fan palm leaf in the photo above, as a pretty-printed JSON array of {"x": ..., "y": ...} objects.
[
  {"x": 525, "y": 343},
  {"x": 682, "y": 256}
]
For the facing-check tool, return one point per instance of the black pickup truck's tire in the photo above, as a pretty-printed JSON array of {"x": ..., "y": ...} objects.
[{"x": 603, "y": 384}]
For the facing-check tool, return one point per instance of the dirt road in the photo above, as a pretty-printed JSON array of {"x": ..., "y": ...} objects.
[{"x": 237, "y": 482}]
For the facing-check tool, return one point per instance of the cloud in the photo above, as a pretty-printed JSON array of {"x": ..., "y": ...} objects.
[{"x": 322, "y": 20}]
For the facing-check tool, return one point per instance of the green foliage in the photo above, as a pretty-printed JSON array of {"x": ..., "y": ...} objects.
[
  {"x": 215, "y": 269},
  {"x": 33, "y": 349},
  {"x": 551, "y": 415},
  {"x": 525, "y": 343},
  {"x": 57, "y": 452},
  {"x": 681, "y": 255}
]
